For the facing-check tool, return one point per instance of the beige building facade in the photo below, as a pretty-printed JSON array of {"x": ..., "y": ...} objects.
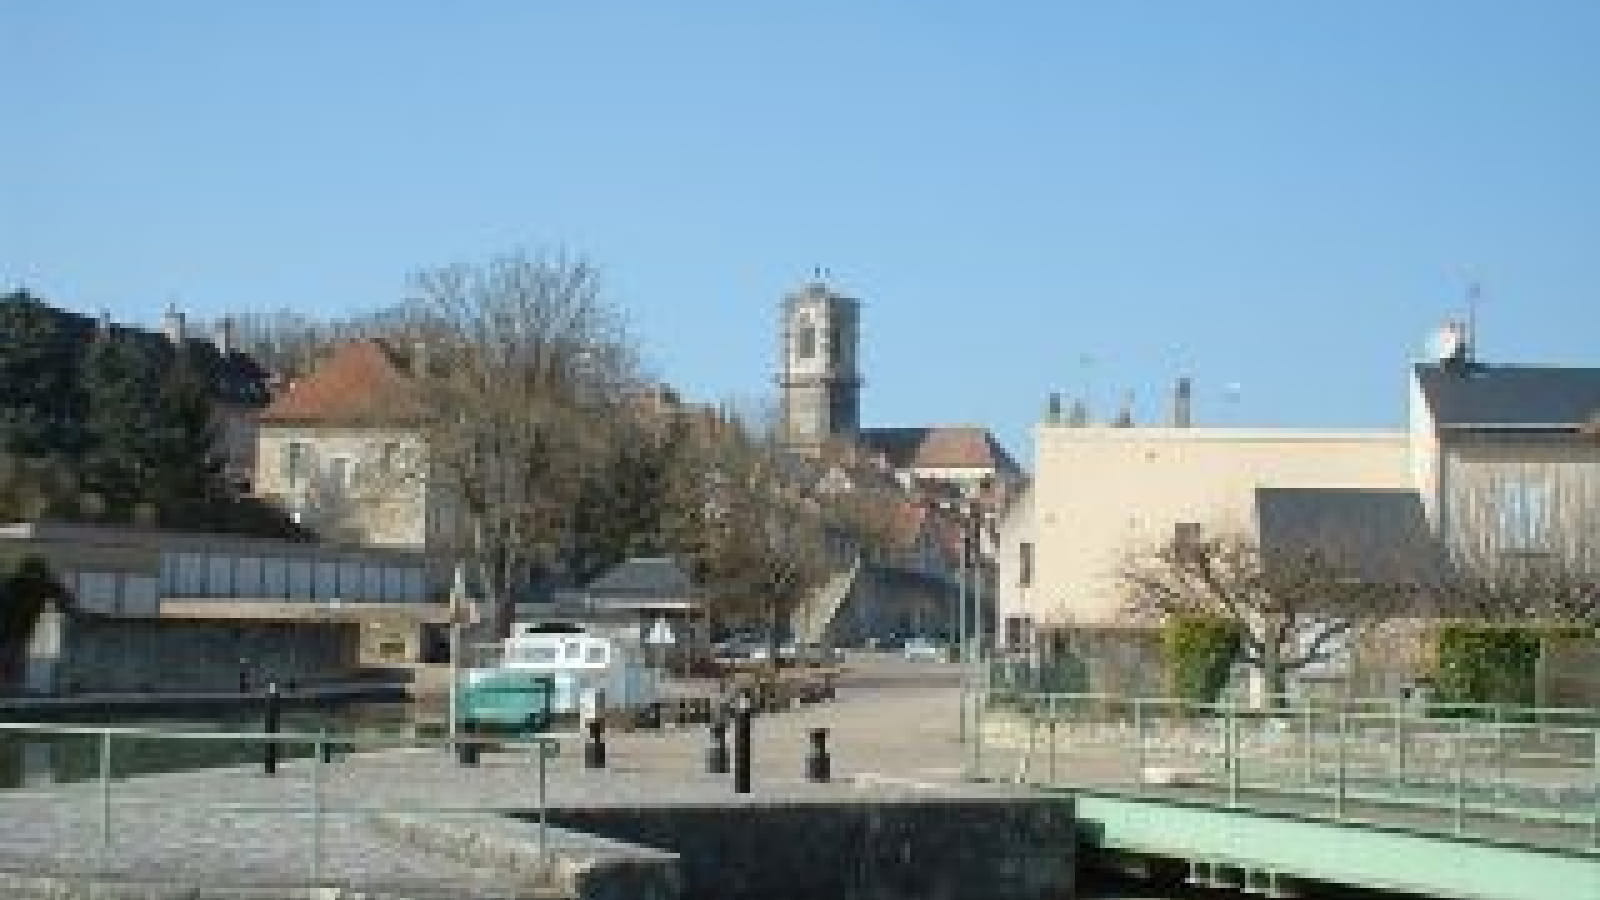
[
  {"x": 1101, "y": 493},
  {"x": 1499, "y": 465}
]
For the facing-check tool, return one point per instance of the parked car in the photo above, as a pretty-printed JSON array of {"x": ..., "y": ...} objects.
[{"x": 923, "y": 650}]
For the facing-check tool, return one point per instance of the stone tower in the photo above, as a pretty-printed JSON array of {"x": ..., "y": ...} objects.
[{"x": 821, "y": 388}]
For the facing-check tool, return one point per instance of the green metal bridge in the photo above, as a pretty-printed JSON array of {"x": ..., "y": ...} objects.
[{"x": 1463, "y": 800}]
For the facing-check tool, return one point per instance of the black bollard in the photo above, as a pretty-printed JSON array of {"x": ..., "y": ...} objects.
[
  {"x": 269, "y": 724},
  {"x": 741, "y": 744},
  {"x": 467, "y": 746},
  {"x": 717, "y": 753},
  {"x": 819, "y": 767},
  {"x": 594, "y": 750}
]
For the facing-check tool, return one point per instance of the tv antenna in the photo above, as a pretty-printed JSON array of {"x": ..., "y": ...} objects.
[{"x": 1474, "y": 300}]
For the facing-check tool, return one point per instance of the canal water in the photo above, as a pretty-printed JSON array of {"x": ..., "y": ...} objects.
[{"x": 37, "y": 759}]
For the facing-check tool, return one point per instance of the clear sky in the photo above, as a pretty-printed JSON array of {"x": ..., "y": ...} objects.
[{"x": 1088, "y": 197}]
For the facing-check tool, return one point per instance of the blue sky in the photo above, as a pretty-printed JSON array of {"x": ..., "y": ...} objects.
[{"x": 1085, "y": 197}]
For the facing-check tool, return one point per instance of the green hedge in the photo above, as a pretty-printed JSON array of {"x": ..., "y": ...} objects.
[
  {"x": 1197, "y": 652},
  {"x": 1481, "y": 663}
]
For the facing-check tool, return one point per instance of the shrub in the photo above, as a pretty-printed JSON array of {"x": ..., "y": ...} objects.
[{"x": 1197, "y": 652}]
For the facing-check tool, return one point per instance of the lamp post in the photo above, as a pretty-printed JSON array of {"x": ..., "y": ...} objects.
[
  {"x": 459, "y": 607},
  {"x": 968, "y": 599}
]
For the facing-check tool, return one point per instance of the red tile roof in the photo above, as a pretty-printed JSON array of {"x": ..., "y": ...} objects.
[
  {"x": 361, "y": 383},
  {"x": 939, "y": 447}
]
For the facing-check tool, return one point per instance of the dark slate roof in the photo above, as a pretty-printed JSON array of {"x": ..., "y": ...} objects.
[
  {"x": 234, "y": 377},
  {"x": 640, "y": 577},
  {"x": 1474, "y": 394},
  {"x": 1381, "y": 534}
]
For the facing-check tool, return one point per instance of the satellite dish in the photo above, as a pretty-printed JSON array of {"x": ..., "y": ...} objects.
[{"x": 1449, "y": 343}]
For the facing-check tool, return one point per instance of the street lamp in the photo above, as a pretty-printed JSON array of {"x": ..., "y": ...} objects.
[{"x": 968, "y": 607}]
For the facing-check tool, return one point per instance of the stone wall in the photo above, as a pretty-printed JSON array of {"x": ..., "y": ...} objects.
[
  {"x": 933, "y": 848},
  {"x": 107, "y": 654}
]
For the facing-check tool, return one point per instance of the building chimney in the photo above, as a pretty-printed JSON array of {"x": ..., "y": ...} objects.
[
  {"x": 172, "y": 326},
  {"x": 1125, "y": 415},
  {"x": 222, "y": 336},
  {"x": 1183, "y": 403},
  {"x": 1052, "y": 414},
  {"x": 420, "y": 359}
]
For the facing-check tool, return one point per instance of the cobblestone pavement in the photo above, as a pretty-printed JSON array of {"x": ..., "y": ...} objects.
[{"x": 892, "y": 730}]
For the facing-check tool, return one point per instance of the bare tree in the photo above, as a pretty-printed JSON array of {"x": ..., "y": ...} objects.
[
  {"x": 1548, "y": 589},
  {"x": 1296, "y": 607},
  {"x": 524, "y": 358},
  {"x": 767, "y": 545}
]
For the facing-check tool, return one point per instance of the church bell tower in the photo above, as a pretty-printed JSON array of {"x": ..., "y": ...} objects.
[{"x": 821, "y": 387}]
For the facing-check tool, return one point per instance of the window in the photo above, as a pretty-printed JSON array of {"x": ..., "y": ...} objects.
[
  {"x": 1025, "y": 564},
  {"x": 1523, "y": 515},
  {"x": 806, "y": 342},
  {"x": 835, "y": 345},
  {"x": 535, "y": 654},
  {"x": 1186, "y": 534},
  {"x": 597, "y": 655},
  {"x": 1019, "y": 631},
  {"x": 295, "y": 459},
  {"x": 389, "y": 458},
  {"x": 341, "y": 473}
]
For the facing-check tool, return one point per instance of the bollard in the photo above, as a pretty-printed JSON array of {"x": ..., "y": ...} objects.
[
  {"x": 594, "y": 749},
  {"x": 717, "y": 752},
  {"x": 466, "y": 745},
  {"x": 819, "y": 767},
  {"x": 269, "y": 724},
  {"x": 741, "y": 744}
]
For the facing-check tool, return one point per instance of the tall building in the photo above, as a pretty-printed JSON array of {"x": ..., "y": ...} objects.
[{"x": 819, "y": 379}]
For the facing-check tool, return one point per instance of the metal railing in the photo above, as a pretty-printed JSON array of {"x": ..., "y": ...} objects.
[
  {"x": 222, "y": 777},
  {"x": 1525, "y": 775}
]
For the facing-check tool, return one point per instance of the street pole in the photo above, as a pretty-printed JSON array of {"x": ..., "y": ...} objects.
[
  {"x": 455, "y": 675},
  {"x": 977, "y": 632},
  {"x": 961, "y": 630}
]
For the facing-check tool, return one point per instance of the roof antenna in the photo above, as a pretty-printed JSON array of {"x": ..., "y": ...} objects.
[{"x": 1474, "y": 298}]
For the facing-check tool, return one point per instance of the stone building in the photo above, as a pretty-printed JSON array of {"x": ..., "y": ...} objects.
[
  {"x": 340, "y": 450},
  {"x": 951, "y": 480},
  {"x": 820, "y": 381},
  {"x": 156, "y": 610}
]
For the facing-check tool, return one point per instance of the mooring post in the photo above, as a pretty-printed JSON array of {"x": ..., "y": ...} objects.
[
  {"x": 741, "y": 744},
  {"x": 317, "y": 759},
  {"x": 105, "y": 791},
  {"x": 819, "y": 766},
  {"x": 1461, "y": 777},
  {"x": 594, "y": 749},
  {"x": 269, "y": 723},
  {"x": 717, "y": 750}
]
